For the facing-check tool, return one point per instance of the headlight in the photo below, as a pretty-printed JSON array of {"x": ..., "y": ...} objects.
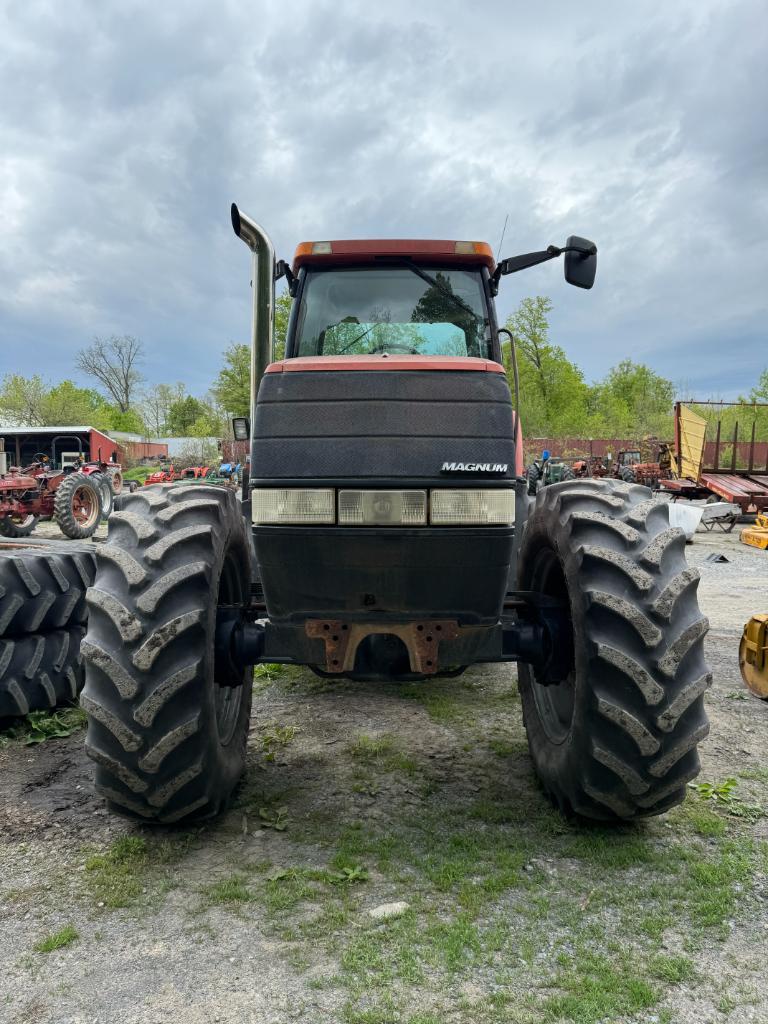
[
  {"x": 382, "y": 508},
  {"x": 472, "y": 508},
  {"x": 293, "y": 505}
]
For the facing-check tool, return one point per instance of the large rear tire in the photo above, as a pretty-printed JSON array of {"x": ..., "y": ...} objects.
[
  {"x": 616, "y": 737},
  {"x": 77, "y": 506},
  {"x": 167, "y": 721}
]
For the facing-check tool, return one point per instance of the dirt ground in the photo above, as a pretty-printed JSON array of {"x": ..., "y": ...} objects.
[{"x": 362, "y": 795}]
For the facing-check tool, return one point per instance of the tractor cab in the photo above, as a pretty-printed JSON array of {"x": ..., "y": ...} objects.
[{"x": 406, "y": 297}]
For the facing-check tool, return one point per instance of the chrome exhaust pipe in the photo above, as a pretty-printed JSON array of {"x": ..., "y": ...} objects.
[{"x": 263, "y": 288}]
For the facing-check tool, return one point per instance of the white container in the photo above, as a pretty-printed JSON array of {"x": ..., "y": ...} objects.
[{"x": 687, "y": 517}]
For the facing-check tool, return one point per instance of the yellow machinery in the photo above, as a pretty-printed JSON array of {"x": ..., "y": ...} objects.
[
  {"x": 756, "y": 536},
  {"x": 753, "y": 655}
]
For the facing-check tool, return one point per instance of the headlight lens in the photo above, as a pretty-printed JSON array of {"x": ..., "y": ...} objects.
[
  {"x": 382, "y": 508},
  {"x": 293, "y": 505},
  {"x": 472, "y": 508}
]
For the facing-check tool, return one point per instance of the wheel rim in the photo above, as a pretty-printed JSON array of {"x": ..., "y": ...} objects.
[
  {"x": 228, "y": 683},
  {"x": 85, "y": 506},
  {"x": 555, "y": 702}
]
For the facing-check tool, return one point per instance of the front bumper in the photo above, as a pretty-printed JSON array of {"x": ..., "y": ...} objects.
[{"x": 395, "y": 574}]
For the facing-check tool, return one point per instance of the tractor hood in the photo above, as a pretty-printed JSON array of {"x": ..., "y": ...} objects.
[{"x": 384, "y": 420}]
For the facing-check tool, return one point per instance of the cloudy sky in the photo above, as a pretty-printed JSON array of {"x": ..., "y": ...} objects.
[{"x": 126, "y": 129}]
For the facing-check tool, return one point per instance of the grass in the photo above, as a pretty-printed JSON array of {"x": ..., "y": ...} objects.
[
  {"x": 226, "y": 891},
  {"x": 596, "y": 987},
  {"x": 445, "y": 701},
  {"x": 133, "y": 870},
  {"x": 381, "y": 752},
  {"x": 57, "y": 940},
  {"x": 140, "y": 473}
]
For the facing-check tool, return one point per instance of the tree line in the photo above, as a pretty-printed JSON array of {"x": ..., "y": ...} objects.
[{"x": 630, "y": 401}]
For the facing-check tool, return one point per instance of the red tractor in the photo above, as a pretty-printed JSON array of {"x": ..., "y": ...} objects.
[
  {"x": 73, "y": 499},
  {"x": 385, "y": 532},
  {"x": 165, "y": 475},
  {"x": 645, "y": 466}
]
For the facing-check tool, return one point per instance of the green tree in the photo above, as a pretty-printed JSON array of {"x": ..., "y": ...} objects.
[
  {"x": 30, "y": 401},
  {"x": 156, "y": 406},
  {"x": 232, "y": 387},
  {"x": 129, "y": 421},
  {"x": 553, "y": 393},
  {"x": 760, "y": 393},
  {"x": 194, "y": 417},
  {"x": 283, "y": 305},
  {"x": 633, "y": 401},
  {"x": 182, "y": 414}
]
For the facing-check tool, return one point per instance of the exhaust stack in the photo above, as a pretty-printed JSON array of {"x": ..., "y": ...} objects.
[{"x": 263, "y": 287}]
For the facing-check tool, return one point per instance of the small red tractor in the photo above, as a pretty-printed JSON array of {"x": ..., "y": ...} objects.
[
  {"x": 384, "y": 531},
  {"x": 74, "y": 499},
  {"x": 645, "y": 466},
  {"x": 164, "y": 475}
]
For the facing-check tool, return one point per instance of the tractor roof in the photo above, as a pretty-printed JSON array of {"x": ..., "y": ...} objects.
[{"x": 369, "y": 250}]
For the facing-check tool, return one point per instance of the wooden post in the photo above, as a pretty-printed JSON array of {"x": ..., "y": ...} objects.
[
  {"x": 752, "y": 447},
  {"x": 717, "y": 447},
  {"x": 735, "y": 442}
]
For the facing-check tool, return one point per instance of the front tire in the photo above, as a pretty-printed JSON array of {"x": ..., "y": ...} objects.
[
  {"x": 167, "y": 722},
  {"x": 616, "y": 736},
  {"x": 15, "y": 526}
]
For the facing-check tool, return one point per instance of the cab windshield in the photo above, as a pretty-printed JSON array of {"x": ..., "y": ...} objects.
[{"x": 407, "y": 309}]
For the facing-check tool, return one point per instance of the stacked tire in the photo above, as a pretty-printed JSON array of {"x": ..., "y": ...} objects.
[{"x": 42, "y": 622}]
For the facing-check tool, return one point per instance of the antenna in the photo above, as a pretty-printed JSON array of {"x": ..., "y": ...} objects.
[{"x": 501, "y": 240}]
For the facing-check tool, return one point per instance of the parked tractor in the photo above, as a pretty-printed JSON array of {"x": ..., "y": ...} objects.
[
  {"x": 547, "y": 470},
  {"x": 164, "y": 475},
  {"x": 73, "y": 499},
  {"x": 385, "y": 532},
  {"x": 648, "y": 466}
]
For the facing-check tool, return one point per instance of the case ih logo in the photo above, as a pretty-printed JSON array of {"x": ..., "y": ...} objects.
[{"x": 474, "y": 467}]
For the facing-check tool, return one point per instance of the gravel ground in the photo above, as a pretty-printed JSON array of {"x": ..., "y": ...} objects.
[{"x": 359, "y": 795}]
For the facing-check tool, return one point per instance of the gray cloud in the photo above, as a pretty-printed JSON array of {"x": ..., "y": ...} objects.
[{"x": 125, "y": 133}]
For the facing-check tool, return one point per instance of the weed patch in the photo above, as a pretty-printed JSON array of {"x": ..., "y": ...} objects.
[
  {"x": 227, "y": 891},
  {"x": 133, "y": 870},
  {"x": 57, "y": 940},
  {"x": 39, "y": 726},
  {"x": 381, "y": 752}
]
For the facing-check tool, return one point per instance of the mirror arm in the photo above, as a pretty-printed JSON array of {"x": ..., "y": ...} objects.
[
  {"x": 532, "y": 259},
  {"x": 283, "y": 269}
]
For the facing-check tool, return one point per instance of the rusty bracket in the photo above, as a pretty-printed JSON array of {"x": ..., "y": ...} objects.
[{"x": 422, "y": 640}]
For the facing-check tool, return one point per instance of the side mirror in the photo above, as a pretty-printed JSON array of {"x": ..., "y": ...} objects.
[
  {"x": 241, "y": 428},
  {"x": 580, "y": 262}
]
